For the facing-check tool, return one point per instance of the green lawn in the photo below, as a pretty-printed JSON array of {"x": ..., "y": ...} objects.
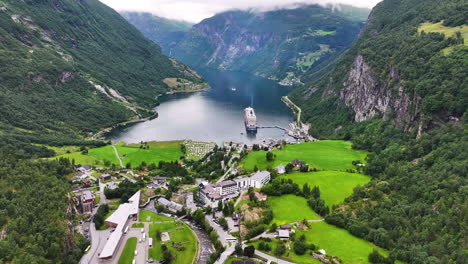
[
  {"x": 178, "y": 233},
  {"x": 166, "y": 151},
  {"x": 334, "y": 186},
  {"x": 335, "y": 241},
  {"x": 290, "y": 208},
  {"x": 128, "y": 252},
  {"x": 153, "y": 217},
  {"x": 323, "y": 155},
  {"x": 339, "y": 242},
  {"x": 138, "y": 225}
]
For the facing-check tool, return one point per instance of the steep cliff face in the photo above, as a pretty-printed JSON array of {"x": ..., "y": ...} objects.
[
  {"x": 406, "y": 67},
  {"x": 284, "y": 45},
  {"x": 368, "y": 97}
]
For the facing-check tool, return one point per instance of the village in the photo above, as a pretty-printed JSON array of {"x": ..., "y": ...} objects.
[{"x": 172, "y": 198}]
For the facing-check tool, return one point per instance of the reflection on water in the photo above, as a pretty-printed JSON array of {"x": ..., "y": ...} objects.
[{"x": 215, "y": 114}]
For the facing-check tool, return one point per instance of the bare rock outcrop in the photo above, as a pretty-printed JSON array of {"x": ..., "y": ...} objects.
[{"x": 369, "y": 97}]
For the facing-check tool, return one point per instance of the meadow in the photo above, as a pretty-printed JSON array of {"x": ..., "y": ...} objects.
[
  {"x": 447, "y": 31},
  {"x": 335, "y": 241},
  {"x": 128, "y": 252},
  {"x": 323, "y": 155},
  {"x": 339, "y": 242},
  {"x": 334, "y": 186},
  {"x": 156, "y": 151},
  {"x": 178, "y": 232},
  {"x": 290, "y": 208}
]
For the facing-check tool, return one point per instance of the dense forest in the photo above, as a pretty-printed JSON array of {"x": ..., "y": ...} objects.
[
  {"x": 72, "y": 67},
  {"x": 35, "y": 225},
  {"x": 416, "y": 205}
]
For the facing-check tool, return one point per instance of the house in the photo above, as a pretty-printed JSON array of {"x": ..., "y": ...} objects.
[
  {"x": 210, "y": 194},
  {"x": 86, "y": 182},
  {"x": 259, "y": 196},
  {"x": 281, "y": 169},
  {"x": 283, "y": 234},
  {"x": 84, "y": 168},
  {"x": 111, "y": 185},
  {"x": 105, "y": 177},
  {"x": 86, "y": 201},
  {"x": 297, "y": 163},
  {"x": 285, "y": 227},
  {"x": 152, "y": 186},
  {"x": 160, "y": 180},
  {"x": 170, "y": 205}
]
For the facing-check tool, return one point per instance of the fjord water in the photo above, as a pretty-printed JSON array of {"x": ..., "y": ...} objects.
[{"x": 215, "y": 114}]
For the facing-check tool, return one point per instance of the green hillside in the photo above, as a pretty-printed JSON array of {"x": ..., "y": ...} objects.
[
  {"x": 71, "y": 68},
  {"x": 165, "y": 32},
  {"x": 288, "y": 45},
  {"x": 400, "y": 92}
]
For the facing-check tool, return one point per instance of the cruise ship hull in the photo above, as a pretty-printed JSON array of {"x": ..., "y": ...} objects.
[{"x": 250, "y": 120}]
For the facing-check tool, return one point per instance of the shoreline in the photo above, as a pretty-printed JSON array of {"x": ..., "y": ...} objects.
[{"x": 100, "y": 135}]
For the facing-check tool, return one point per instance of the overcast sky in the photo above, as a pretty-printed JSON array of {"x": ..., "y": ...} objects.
[{"x": 197, "y": 10}]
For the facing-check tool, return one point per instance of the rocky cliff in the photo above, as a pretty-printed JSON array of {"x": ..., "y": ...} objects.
[{"x": 401, "y": 69}]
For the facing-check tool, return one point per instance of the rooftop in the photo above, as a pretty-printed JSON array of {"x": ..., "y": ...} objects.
[
  {"x": 87, "y": 195},
  {"x": 120, "y": 217},
  {"x": 260, "y": 175}
]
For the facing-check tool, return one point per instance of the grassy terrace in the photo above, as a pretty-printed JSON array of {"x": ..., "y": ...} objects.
[
  {"x": 447, "y": 31},
  {"x": 334, "y": 186},
  {"x": 128, "y": 252},
  {"x": 157, "y": 151},
  {"x": 180, "y": 237},
  {"x": 290, "y": 208},
  {"x": 323, "y": 155}
]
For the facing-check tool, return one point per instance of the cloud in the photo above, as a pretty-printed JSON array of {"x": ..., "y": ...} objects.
[{"x": 197, "y": 10}]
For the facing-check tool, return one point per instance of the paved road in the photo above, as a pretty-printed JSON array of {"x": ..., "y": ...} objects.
[
  {"x": 271, "y": 258},
  {"x": 99, "y": 239}
]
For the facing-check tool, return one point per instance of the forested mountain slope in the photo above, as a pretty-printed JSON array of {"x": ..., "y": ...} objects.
[
  {"x": 72, "y": 66},
  {"x": 397, "y": 71},
  {"x": 283, "y": 45},
  {"x": 401, "y": 92},
  {"x": 165, "y": 32}
]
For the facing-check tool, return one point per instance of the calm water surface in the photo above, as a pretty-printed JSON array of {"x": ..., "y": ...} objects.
[{"x": 216, "y": 114}]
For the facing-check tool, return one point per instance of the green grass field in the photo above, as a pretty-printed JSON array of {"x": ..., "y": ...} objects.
[
  {"x": 323, "y": 155},
  {"x": 177, "y": 233},
  {"x": 335, "y": 241},
  {"x": 153, "y": 217},
  {"x": 339, "y": 242},
  {"x": 128, "y": 252},
  {"x": 166, "y": 151},
  {"x": 447, "y": 31},
  {"x": 290, "y": 208},
  {"x": 334, "y": 186}
]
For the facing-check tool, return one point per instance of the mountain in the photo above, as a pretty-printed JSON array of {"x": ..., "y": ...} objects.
[
  {"x": 407, "y": 66},
  {"x": 70, "y": 68},
  {"x": 283, "y": 45},
  {"x": 401, "y": 92},
  {"x": 165, "y": 32}
]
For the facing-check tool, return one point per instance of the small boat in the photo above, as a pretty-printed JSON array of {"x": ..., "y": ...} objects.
[{"x": 233, "y": 89}]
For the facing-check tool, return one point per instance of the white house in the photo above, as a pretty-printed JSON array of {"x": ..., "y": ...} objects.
[
  {"x": 258, "y": 180},
  {"x": 281, "y": 169}
]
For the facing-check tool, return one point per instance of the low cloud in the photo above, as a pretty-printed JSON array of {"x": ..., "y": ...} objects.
[{"x": 197, "y": 10}]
